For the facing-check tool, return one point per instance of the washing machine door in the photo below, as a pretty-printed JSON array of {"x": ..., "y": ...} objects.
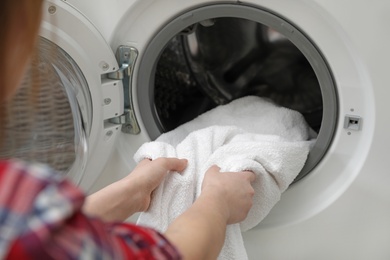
[
  {"x": 78, "y": 100},
  {"x": 196, "y": 54}
]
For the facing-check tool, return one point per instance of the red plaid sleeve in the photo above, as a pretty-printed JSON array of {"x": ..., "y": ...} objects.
[{"x": 41, "y": 218}]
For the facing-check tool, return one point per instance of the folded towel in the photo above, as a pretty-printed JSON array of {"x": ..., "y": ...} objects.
[{"x": 250, "y": 133}]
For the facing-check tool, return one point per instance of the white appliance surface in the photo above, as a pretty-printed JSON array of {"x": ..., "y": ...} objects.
[
  {"x": 354, "y": 222},
  {"x": 357, "y": 225}
]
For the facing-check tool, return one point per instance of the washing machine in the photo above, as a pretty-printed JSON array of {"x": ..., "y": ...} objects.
[{"x": 127, "y": 71}]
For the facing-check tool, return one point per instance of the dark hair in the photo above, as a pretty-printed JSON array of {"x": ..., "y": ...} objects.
[{"x": 19, "y": 19}]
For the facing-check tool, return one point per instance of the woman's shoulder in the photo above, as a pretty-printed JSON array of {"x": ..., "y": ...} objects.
[
  {"x": 15, "y": 168},
  {"x": 33, "y": 196},
  {"x": 28, "y": 189},
  {"x": 24, "y": 181},
  {"x": 29, "y": 185}
]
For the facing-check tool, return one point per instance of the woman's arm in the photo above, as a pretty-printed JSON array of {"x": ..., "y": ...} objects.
[
  {"x": 199, "y": 233},
  {"x": 42, "y": 212},
  {"x": 132, "y": 194}
]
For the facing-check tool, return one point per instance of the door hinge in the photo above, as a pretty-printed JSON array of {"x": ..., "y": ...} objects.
[{"x": 127, "y": 57}]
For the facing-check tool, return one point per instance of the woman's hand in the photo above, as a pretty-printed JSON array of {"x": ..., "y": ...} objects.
[
  {"x": 226, "y": 198},
  {"x": 231, "y": 191},
  {"x": 121, "y": 199},
  {"x": 148, "y": 175}
]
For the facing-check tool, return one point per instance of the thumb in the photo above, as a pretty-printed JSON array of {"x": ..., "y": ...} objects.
[{"x": 249, "y": 176}]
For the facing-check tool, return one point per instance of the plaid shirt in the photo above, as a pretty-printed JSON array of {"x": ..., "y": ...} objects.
[{"x": 41, "y": 218}]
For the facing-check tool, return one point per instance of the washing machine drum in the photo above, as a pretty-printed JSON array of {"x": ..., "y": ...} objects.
[
  {"x": 44, "y": 121},
  {"x": 226, "y": 52},
  {"x": 203, "y": 62}
]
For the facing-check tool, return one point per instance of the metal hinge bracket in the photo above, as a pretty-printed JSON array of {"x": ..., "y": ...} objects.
[{"x": 127, "y": 57}]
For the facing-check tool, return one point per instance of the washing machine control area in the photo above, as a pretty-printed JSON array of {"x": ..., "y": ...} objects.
[{"x": 142, "y": 75}]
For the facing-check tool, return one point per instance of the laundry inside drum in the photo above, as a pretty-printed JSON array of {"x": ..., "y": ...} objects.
[{"x": 215, "y": 61}]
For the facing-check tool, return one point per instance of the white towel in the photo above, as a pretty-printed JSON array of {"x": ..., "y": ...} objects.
[{"x": 250, "y": 133}]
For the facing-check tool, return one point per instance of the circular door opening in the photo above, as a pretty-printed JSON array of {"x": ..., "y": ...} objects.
[
  {"x": 49, "y": 118},
  {"x": 215, "y": 54}
]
